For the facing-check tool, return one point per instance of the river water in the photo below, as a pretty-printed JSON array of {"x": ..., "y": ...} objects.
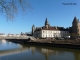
[{"x": 14, "y": 51}]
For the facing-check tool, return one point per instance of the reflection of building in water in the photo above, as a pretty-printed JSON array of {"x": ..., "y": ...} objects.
[
  {"x": 15, "y": 51},
  {"x": 32, "y": 49},
  {"x": 9, "y": 43},
  {"x": 77, "y": 55},
  {"x": 3, "y": 41},
  {"x": 45, "y": 51},
  {"x": 48, "y": 52},
  {"x": 19, "y": 45}
]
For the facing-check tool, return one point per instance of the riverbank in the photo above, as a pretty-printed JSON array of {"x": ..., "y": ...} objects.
[{"x": 71, "y": 44}]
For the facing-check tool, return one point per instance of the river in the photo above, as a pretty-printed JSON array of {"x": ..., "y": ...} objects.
[{"x": 14, "y": 51}]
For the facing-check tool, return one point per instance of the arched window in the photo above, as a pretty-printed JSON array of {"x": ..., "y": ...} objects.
[{"x": 46, "y": 35}]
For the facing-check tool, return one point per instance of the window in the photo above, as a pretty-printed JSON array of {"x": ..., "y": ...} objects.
[
  {"x": 46, "y": 35},
  {"x": 58, "y": 31},
  {"x": 53, "y": 35},
  {"x": 53, "y": 31},
  {"x": 43, "y": 35}
]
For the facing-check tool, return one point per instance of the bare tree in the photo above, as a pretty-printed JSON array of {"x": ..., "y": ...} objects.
[{"x": 11, "y": 7}]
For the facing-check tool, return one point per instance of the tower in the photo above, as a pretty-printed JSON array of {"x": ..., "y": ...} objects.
[
  {"x": 75, "y": 26},
  {"x": 33, "y": 29},
  {"x": 75, "y": 20},
  {"x": 46, "y": 23}
]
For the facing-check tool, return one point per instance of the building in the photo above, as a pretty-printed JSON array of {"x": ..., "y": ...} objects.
[
  {"x": 2, "y": 35},
  {"x": 48, "y": 31},
  {"x": 75, "y": 29},
  {"x": 13, "y": 35}
]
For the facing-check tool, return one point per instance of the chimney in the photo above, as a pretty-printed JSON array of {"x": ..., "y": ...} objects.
[
  {"x": 56, "y": 27},
  {"x": 78, "y": 20}
]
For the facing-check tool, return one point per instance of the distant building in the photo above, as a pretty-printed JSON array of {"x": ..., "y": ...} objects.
[
  {"x": 13, "y": 35},
  {"x": 48, "y": 31},
  {"x": 2, "y": 35}
]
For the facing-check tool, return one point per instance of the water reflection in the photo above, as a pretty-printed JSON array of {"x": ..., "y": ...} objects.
[
  {"x": 3, "y": 41},
  {"x": 30, "y": 52},
  {"x": 51, "y": 54},
  {"x": 56, "y": 53},
  {"x": 6, "y": 45}
]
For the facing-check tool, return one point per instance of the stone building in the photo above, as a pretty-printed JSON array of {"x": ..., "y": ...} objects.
[
  {"x": 47, "y": 31},
  {"x": 33, "y": 29},
  {"x": 75, "y": 29}
]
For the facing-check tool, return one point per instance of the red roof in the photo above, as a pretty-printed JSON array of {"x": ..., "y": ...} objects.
[{"x": 49, "y": 28}]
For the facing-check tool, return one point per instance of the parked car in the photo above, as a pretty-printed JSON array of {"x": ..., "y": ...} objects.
[{"x": 60, "y": 38}]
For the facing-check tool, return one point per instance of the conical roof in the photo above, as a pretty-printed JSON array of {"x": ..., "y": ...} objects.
[
  {"x": 75, "y": 19},
  {"x": 33, "y": 25},
  {"x": 46, "y": 22}
]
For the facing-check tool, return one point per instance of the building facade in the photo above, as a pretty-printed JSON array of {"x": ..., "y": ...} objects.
[
  {"x": 48, "y": 31},
  {"x": 75, "y": 28}
]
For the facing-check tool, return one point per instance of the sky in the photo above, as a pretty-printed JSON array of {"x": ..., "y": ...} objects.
[{"x": 56, "y": 12}]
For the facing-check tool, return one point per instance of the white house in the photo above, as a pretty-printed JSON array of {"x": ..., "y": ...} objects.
[{"x": 49, "y": 31}]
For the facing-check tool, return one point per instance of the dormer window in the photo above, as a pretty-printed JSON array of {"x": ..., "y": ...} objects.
[{"x": 43, "y": 31}]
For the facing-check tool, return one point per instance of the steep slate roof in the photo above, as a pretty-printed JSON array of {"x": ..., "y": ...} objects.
[
  {"x": 46, "y": 22},
  {"x": 75, "y": 19},
  {"x": 52, "y": 28},
  {"x": 49, "y": 28}
]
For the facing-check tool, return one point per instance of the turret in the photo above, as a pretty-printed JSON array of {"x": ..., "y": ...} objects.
[
  {"x": 75, "y": 27},
  {"x": 33, "y": 29},
  {"x": 46, "y": 23},
  {"x": 75, "y": 20}
]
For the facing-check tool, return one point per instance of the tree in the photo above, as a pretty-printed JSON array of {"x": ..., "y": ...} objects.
[{"x": 11, "y": 7}]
